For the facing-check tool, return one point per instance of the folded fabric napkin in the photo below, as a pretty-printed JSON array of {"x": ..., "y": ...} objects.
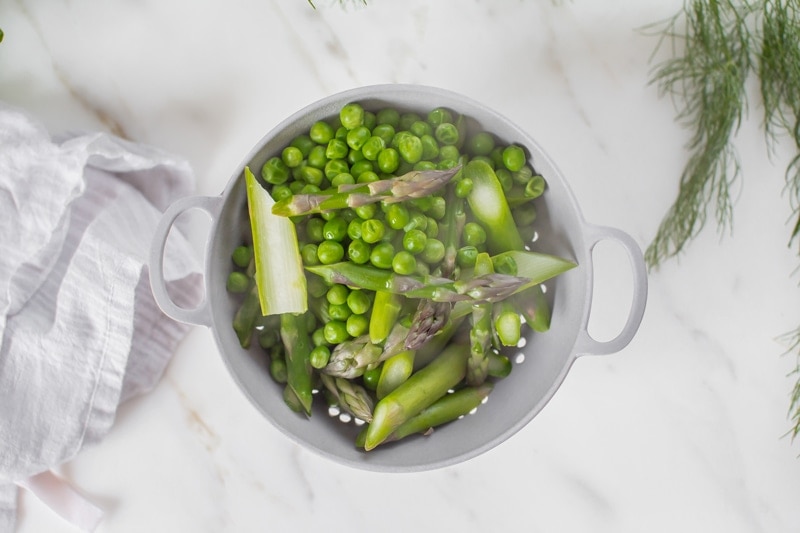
[{"x": 79, "y": 329}]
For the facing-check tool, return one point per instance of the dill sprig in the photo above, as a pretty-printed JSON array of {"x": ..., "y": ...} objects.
[
  {"x": 711, "y": 46},
  {"x": 716, "y": 46}
]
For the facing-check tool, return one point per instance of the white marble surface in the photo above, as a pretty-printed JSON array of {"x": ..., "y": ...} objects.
[{"x": 681, "y": 431}]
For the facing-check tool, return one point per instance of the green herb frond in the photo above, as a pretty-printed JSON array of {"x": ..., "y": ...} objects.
[
  {"x": 793, "y": 340},
  {"x": 706, "y": 78}
]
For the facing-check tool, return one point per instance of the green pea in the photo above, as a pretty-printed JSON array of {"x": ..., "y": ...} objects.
[
  {"x": 474, "y": 234},
  {"x": 278, "y": 370},
  {"x": 514, "y": 157},
  {"x": 371, "y": 377},
  {"x": 449, "y": 151},
  {"x": 422, "y": 268},
  {"x": 482, "y": 143},
  {"x": 535, "y": 187},
  {"x": 319, "y": 356},
  {"x": 370, "y": 119},
  {"x": 292, "y": 156},
  {"x": 373, "y": 147},
  {"x": 327, "y": 215},
  {"x": 336, "y": 149},
  {"x": 358, "y": 302},
  {"x": 464, "y": 187},
  {"x": 309, "y": 188},
  {"x": 337, "y": 294},
  {"x": 420, "y": 128},
  {"x": 354, "y": 156},
  {"x": 354, "y": 229},
  {"x": 432, "y": 228},
  {"x": 343, "y": 178},
  {"x": 506, "y": 264},
  {"x": 308, "y": 253},
  {"x": 397, "y": 216},
  {"x": 404, "y": 263},
  {"x": 372, "y": 230},
  {"x": 242, "y": 255},
  {"x": 316, "y": 286},
  {"x": 439, "y": 115},
  {"x": 367, "y": 177},
  {"x": 389, "y": 116},
  {"x": 238, "y": 282},
  {"x": 352, "y": 115},
  {"x": 357, "y": 325},
  {"x": 505, "y": 179},
  {"x": 385, "y": 132},
  {"x": 281, "y": 192},
  {"x": 438, "y": 208},
  {"x": 314, "y": 229},
  {"x": 425, "y": 165},
  {"x": 318, "y": 337},
  {"x": 410, "y": 148},
  {"x": 434, "y": 251},
  {"x": 523, "y": 175},
  {"x": 358, "y": 251},
  {"x": 524, "y": 215},
  {"x": 446, "y": 133},
  {"x": 275, "y": 171},
  {"x": 311, "y": 175},
  {"x": 366, "y": 211},
  {"x": 430, "y": 148},
  {"x": 330, "y": 252},
  {"x": 339, "y": 311},
  {"x": 295, "y": 186},
  {"x": 321, "y": 132},
  {"x": 341, "y": 133},
  {"x": 357, "y": 137},
  {"x": 317, "y": 158},
  {"x": 359, "y": 167},
  {"x": 407, "y": 119},
  {"x": 414, "y": 241},
  {"x": 388, "y": 160},
  {"x": 335, "y": 167},
  {"x": 268, "y": 338},
  {"x": 418, "y": 221},
  {"x": 466, "y": 255},
  {"x": 335, "y": 229},
  {"x": 304, "y": 144},
  {"x": 335, "y": 332},
  {"x": 382, "y": 255}
]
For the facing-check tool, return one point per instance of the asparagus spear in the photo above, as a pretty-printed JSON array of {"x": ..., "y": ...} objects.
[
  {"x": 298, "y": 347},
  {"x": 244, "y": 320},
  {"x": 431, "y": 316},
  {"x": 490, "y": 287},
  {"x": 489, "y": 206},
  {"x": 480, "y": 334},
  {"x": 448, "y": 408},
  {"x": 418, "y": 392},
  {"x": 349, "y": 359},
  {"x": 414, "y": 184},
  {"x": 385, "y": 310},
  {"x": 396, "y": 370},
  {"x": 351, "y": 397}
]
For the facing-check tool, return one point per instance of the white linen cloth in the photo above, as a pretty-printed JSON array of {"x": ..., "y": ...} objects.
[{"x": 79, "y": 329}]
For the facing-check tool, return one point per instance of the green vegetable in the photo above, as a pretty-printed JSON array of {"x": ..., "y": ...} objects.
[
  {"x": 489, "y": 206},
  {"x": 279, "y": 270},
  {"x": 298, "y": 350},
  {"x": 396, "y": 216},
  {"x": 418, "y": 392},
  {"x": 448, "y": 408}
]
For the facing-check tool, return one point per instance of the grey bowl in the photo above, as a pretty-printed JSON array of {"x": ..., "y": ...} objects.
[{"x": 515, "y": 401}]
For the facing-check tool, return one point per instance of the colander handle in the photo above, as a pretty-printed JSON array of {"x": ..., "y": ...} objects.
[
  {"x": 200, "y": 315},
  {"x": 586, "y": 344}
]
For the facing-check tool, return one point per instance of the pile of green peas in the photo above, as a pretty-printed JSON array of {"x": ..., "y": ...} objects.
[{"x": 360, "y": 146}]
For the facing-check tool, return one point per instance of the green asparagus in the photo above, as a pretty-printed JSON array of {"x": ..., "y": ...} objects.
[{"x": 298, "y": 348}]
